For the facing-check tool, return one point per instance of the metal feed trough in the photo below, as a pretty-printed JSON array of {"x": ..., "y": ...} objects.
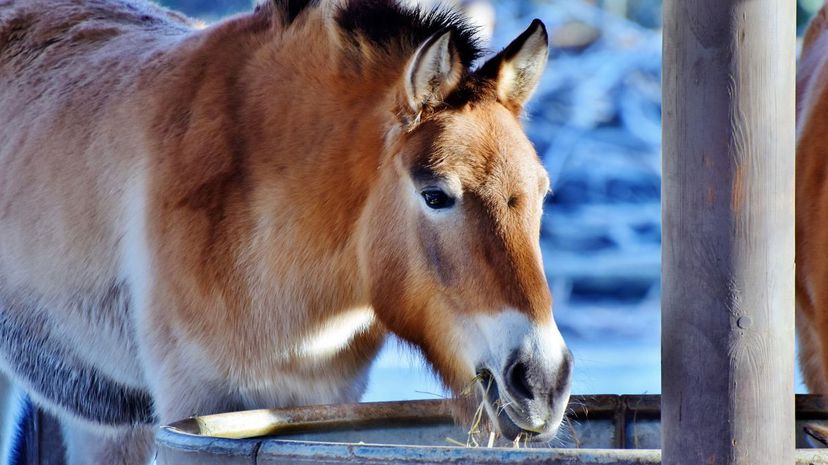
[{"x": 602, "y": 429}]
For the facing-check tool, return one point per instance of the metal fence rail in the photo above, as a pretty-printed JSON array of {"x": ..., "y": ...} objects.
[{"x": 601, "y": 429}]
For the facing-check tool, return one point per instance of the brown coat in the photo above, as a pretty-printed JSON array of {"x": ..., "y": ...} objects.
[{"x": 197, "y": 220}]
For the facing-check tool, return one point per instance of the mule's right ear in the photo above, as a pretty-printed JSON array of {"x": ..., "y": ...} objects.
[
  {"x": 516, "y": 71},
  {"x": 432, "y": 73}
]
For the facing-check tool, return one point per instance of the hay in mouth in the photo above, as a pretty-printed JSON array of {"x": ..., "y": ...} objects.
[
  {"x": 478, "y": 428},
  {"x": 491, "y": 394}
]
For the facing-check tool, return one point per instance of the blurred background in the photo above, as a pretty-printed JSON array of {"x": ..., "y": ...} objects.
[{"x": 595, "y": 121}]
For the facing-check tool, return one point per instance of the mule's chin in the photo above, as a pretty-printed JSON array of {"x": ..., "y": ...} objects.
[
  {"x": 506, "y": 420},
  {"x": 504, "y": 417}
]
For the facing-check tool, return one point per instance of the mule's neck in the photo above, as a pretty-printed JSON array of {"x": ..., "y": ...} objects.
[
  {"x": 322, "y": 125},
  {"x": 274, "y": 139}
]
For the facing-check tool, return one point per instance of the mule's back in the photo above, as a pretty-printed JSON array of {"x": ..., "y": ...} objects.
[
  {"x": 60, "y": 53},
  {"x": 67, "y": 160},
  {"x": 65, "y": 69}
]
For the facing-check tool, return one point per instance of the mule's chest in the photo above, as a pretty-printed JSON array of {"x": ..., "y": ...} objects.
[{"x": 327, "y": 364}]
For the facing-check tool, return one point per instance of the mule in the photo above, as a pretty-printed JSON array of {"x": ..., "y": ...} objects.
[
  {"x": 811, "y": 204},
  {"x": 203, "y": 219}
]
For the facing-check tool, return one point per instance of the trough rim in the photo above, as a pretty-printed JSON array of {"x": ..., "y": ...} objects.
[{"x": 184, "y": 435}]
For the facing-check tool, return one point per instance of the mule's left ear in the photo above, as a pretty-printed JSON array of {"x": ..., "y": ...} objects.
[
  {"x": 433, "y": 72},
  {"x": 517, "y": 69}
]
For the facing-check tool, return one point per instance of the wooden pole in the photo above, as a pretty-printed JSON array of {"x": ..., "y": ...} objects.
[{"x": 728, "y": 232}]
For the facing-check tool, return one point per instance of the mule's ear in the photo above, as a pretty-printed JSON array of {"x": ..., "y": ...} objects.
[
  {"x": 432, "y": 73},
  {"x": 517, "y": 69}
]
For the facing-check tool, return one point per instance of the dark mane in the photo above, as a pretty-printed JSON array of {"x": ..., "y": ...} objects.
[
  {"x": 397, "y": 30},
  {"x": 394, "y": 27},
  {"x": 288, "y": 9}
]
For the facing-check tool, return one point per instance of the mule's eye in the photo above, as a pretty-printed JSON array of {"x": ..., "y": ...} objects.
[{"x": 437, "y": 199}]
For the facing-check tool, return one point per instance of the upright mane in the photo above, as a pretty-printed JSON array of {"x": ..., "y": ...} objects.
[
  {"x": 388, "y": 25},
  {"x": 399, "y": 29}
]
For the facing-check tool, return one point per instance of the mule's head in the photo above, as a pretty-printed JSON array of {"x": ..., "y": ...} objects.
[{"x": 451, "y": 248}]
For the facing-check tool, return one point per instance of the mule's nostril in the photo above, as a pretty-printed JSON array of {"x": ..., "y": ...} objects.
[{"x": 519, "y": 380}]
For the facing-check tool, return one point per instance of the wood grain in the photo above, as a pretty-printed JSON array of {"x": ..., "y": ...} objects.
[{"x": 728, "y": 232}]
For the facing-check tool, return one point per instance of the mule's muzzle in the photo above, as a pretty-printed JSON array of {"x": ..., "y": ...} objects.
[{"x": 530, "y": 396}]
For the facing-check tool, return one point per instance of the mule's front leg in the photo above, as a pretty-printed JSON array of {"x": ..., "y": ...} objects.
[
  {"x": 183, "y": 376},
  {"x": 184, "y": 386},
  {"x": 181, "y": 390}
]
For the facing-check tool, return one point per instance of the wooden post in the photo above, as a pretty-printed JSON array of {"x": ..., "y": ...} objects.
[{"x": 728, "y": 232}]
